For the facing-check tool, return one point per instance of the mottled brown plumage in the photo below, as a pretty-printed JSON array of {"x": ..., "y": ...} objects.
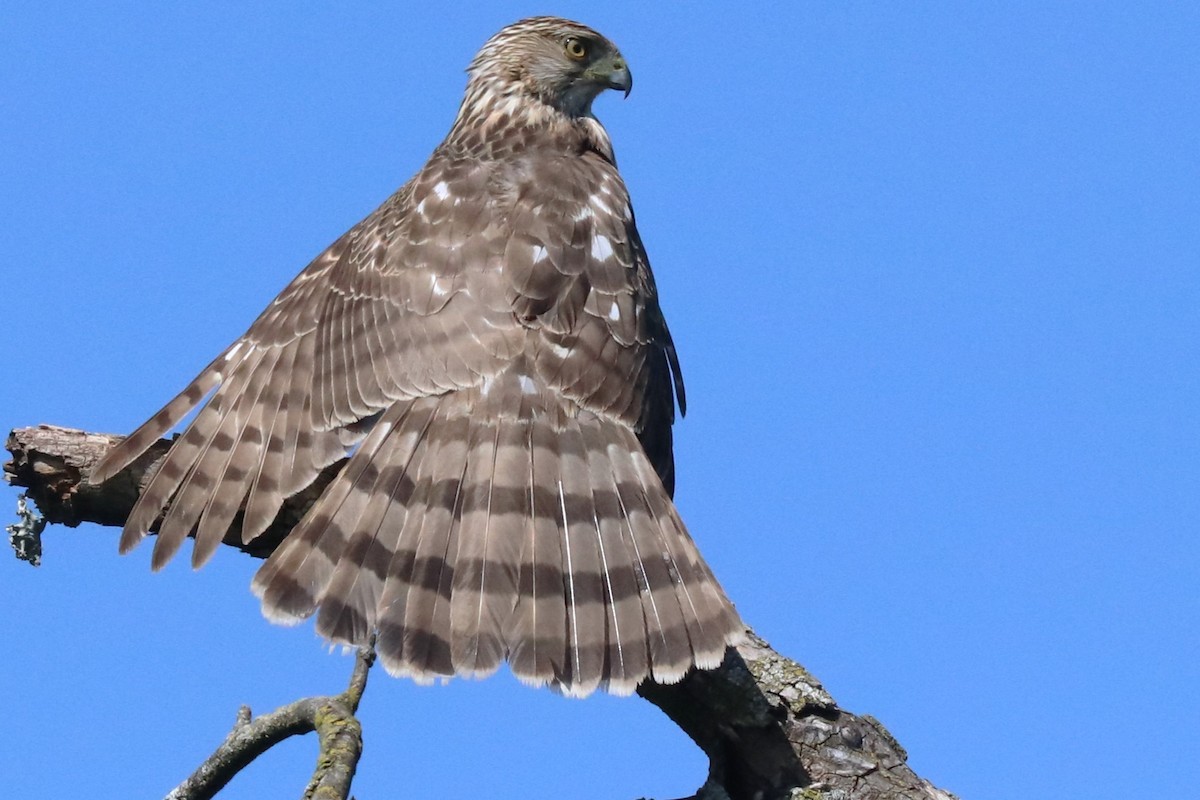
[{"x": 489, "y": 346}]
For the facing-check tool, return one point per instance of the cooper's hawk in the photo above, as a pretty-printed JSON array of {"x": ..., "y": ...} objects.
[{"x": 489, "y": 347}]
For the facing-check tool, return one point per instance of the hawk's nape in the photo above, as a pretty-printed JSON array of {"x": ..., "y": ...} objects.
[{"x": 488, "y": 348}]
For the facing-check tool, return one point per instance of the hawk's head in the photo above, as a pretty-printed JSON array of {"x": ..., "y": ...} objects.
[{"x": 562, "y": 63}]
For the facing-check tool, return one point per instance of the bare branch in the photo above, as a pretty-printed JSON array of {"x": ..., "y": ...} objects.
[
  {"x": 338, "y": 731},
  {"x": 51, "y": 463},
  {"x": 769, "y": 728}
]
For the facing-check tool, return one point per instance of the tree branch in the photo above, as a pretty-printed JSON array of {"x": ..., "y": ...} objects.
[
  {"x": 769, "y": 728},
  {"x": 338, "y": 731}
]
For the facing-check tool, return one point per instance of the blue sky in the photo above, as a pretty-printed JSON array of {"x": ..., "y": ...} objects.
[{"x": 934, "y": 274}]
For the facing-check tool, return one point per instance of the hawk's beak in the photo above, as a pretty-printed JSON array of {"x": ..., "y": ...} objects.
[
  {"x": 613, "y": 73},
  {"x": 620, "y": 77}
]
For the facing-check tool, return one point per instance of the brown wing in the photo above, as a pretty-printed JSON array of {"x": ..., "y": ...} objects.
[
  {"x": 494, "y": 332},
  {"x": 390, "y": 311}
]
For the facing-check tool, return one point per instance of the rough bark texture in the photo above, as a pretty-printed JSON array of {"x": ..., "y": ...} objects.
[{"x": 769, "y": 728}]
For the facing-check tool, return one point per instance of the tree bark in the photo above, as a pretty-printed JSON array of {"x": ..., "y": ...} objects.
[{"x": 769, "y": 728}]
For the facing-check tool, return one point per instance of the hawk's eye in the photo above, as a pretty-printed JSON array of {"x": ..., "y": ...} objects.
[{"x": 575, "y": 48}]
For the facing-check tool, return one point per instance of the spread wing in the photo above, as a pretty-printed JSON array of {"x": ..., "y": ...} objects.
[
  {"x": 390, "y": 310},
  {"x": 456, "y": 276}
]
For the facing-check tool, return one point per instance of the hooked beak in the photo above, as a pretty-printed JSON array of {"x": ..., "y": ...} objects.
[
  {"x": 613, "y": 73},
  {"x": 620, "y": 77}
]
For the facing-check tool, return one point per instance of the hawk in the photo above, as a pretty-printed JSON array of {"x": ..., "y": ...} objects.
[{"x": 487, "y": 347}]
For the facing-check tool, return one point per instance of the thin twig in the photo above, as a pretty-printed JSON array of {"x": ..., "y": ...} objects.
[{"x": 339, "y": 734}]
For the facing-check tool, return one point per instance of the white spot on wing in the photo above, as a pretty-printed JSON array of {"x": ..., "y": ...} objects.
[
  {"x": 601, "y": 247},
  {"x": 420, "y": 209},
  {"x": 441, "y": 190},
  {"x": 539, "y": 254},
  {"x": 583, "y": 213},
  {"x": 527, "y": 385},
  {"x": 598, "y": 203},
  {"x": 233, "y": 351}
]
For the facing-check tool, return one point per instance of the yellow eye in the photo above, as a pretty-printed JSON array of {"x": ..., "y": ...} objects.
[{"x": 575, "y": 48}]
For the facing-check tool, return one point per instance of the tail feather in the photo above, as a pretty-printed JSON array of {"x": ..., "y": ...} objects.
[
  {"x": 348, "y": 603},
  {"x": 413, "y": 574},
  {"x": 692, "y": 585},
  {"x": 486, "y": 565},
  {"x": 466, "y": 535},
  {"x": 627, "y": 657},
  {"x": 405, "y": 505},
  {"x": 294, "y": 577},
  {"x": 536, "y": 633},
  {"x": 583, "y": 569},
  {"x": 670, "y": 650},
  {"x": 426, "y": 640}
]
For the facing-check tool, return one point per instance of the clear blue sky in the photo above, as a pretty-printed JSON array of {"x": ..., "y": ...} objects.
[{"x": 934, "y": 273}]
